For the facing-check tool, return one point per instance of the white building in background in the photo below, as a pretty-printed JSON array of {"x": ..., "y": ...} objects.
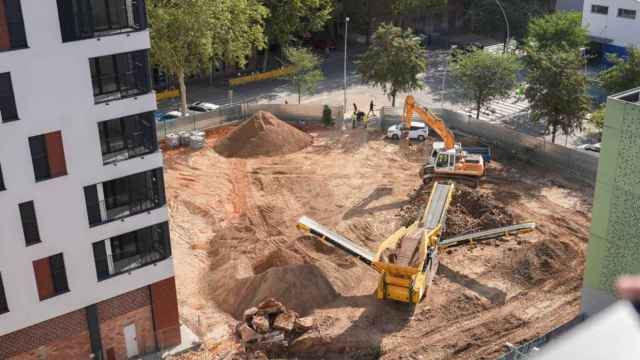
[
  {"x": 615, "y": 24},
  {"x": 85, "y": 258}
]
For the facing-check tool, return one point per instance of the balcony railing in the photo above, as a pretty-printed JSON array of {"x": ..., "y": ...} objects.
[
  {"x": 127, "y": 153},
  {"x": 118, "y": 265},
  {"x": 126, "y": 84},
  {"x": 133, "y": 207}
]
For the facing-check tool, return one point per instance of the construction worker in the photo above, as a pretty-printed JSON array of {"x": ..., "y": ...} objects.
[
  {"x": 366, "y": 120},
  {"x": 371, "y": 105}
]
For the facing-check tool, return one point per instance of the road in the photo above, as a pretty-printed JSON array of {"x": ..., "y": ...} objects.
[{"x": 331, "y": 91}]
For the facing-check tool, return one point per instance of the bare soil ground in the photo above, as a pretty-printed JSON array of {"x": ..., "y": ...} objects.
[{"x": 235, "y": 243}]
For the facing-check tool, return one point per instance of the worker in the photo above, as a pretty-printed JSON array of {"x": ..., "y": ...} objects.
[
  {"x": 371, "y": 105},
  {"x": 355, "y": 108},
  {"x": 366, "y": 120}
]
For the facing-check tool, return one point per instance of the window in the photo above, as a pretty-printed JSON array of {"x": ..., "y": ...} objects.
[
  {"x": 124, "y": 197},
  {"x": 29, "y": 223},
  {"x": 51, "y": 276},
  {"x": 47, "y": 155},
  {"x": 8, "y": 111},
  {"x": 120, "y": 76},
  {"x": 2, "y": 187},
  {"x": 626, "y": 13},
  {"x": 12, "y": 35},
  {"x": 129, "y": 137},
  {"x": 132, "y": 250},
  {"x": 83, "y": 19},
  {"x": 4, "y": 307},
  {"x": 599, "y": 9}
]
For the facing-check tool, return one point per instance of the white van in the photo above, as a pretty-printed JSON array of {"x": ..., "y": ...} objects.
[{"x": 418, "y": 131}]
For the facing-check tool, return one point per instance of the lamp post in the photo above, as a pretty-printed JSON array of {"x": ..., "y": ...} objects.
[
  {"x": 346, "y": 36},
  {"x": 506, "y": 21}
]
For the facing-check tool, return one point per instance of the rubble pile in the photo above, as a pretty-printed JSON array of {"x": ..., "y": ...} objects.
[{"x": 270, "y": 326}]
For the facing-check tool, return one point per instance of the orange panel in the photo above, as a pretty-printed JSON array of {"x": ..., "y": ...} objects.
[
  {"x": 165, "y": 312},
  {"x": 55, "y": 153},
  {"x": 44, "y": 280},
  {"x": 5, "y": 39}
]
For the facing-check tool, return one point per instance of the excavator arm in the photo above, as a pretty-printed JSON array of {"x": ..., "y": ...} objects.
[{"x": 431, "y": 120}]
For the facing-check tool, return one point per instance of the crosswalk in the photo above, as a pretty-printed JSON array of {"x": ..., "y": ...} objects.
[{"x": 500, "y": 109}]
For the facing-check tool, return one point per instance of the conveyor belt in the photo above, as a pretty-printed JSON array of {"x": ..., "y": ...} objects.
[
  {"x": 337, "y": 240},
  {"x": 435, "y": 214},
  {"x": 489, "y": 234}
]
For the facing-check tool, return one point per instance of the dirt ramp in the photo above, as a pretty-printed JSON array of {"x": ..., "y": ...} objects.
[
  {"x": 262, "y": 135},
  {"x": 301, "y": 288}
]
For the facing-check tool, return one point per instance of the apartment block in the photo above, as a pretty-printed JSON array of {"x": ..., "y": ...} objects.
[
  {"x": 86, "y": 269},
  {"x": 614, "y": 24}
]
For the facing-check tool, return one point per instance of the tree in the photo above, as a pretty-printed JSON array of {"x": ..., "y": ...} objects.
[
  {"x": 486, "y": 17},
  {"x": 187, "y": 35},
  {"x": 393, "y": 61},
  {"x": 486, "y": 76},
  {"x": 292, "y": 18},
  {"x": 306, "y": 71},
  {"x": 413, "y": 8},
  {"x": 623, "y": 75},
  {"x": 561, "y": 30},
  {"x": 327, "y": 120},
  {"x": 557, "y": 90},
  {"x": 598, "y": 117}
]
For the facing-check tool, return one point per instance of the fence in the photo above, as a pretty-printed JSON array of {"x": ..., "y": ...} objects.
[
  {"x": 524, "y": 147},
  {"x": 305, "y": 113}
]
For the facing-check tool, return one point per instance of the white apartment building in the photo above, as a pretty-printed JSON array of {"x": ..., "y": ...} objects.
[
  {"x": 85, "y": 258},
  {"x": 613, "y": 23}
]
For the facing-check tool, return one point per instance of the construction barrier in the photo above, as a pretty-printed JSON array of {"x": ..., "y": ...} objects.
[
  {"x": 169, "y": 94},
  {"x": 261, "y": 76}
]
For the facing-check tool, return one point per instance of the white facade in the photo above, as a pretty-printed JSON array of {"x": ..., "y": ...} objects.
[
  {"x": 617, "y": 30},
  {"x": 53, "y": 91}
]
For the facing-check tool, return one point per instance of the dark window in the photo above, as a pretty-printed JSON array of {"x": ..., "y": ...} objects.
[
  {"x": 29, "y": 223},
  {"x": 83, "y": 19},
  {"x": 128, "y": 137},
  {"x": 125, "y": 197},
  {"x": 2, "y": 187},
  {"x": 4, "y": 307},
  {"x": 8, "y": 111},
  {"x": 120, "y": 76},
  {"x": 627, "y": 13},
  {"x": 599, "y": 9},
  {"x": 131, "y": 251},
  {"x": 12, "y": 35},
  {"x": 47, "y": 155},
  {"x": 51, "y": 276}
]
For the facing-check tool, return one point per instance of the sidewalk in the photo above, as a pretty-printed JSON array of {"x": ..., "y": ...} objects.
[{"x": 189, "y": 341}]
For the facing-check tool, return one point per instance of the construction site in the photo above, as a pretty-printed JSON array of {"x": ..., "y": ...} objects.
[{"x": 318, "y": 222}]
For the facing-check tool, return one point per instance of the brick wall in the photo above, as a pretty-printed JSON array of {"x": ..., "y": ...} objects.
[
  {"x": 73, "y": 347},
  {"x": 165, "y": 311},
  {"x": 112, "y": 332},
  {"x": 123, "y": 304}
]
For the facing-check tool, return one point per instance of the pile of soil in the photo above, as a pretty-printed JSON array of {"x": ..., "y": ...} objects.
[
  {"x": 470, "y": 211},
  {"x": 262, "y": 135},
  {"x": 542, "y": 261}
]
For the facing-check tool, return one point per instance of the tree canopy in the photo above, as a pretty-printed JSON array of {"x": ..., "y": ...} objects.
[
  {"x": 291, "y": 18},
  {"x": 393, "y": 61},
  {"x": 486, "y": 17},
  {"x": 306, "y": 70},
  {"x": 486, "y": 76},
  {"x": 415, "y": 7},
  {"x": 561, "y": 30},
  {"x": 624, "y": 74}
]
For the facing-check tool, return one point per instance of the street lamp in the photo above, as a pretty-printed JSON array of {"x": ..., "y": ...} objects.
[
  {"x": 506, "y": 21},
  {"x": 346, "y": 34}
]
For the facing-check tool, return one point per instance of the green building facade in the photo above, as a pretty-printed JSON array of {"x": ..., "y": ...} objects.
[{"x": 614, "y": 247}]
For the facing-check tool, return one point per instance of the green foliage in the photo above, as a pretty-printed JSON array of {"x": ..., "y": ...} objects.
[
  {"x": 561, "y": 30},
  {"x": 598, "y": 116},
  {"x": 416, "y": 7},
  {"x": 187, "y": 35},
  {"x": 557, "y": 90},
  {"x": 624, "y": 75},
  {"x": 327, "y": 120},
  {"x": 306, "y": 70},
  {"x": 486, "y": 17},
  {"x": 393, "y": 61},
  {"x": 486, "y": 76},
  {"x": 291, "y": 18}
]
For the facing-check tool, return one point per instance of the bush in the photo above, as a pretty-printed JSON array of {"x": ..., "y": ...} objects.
[{"x": 327, "y": 120}]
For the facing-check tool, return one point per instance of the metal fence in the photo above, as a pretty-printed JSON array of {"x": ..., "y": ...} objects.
[
  {"x": 298, "y": 114},
  {"x": 535, "y": 150}
]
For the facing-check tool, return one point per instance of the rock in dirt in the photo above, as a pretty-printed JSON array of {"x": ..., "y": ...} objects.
[
  {"x": 260, "y": 323},
  {"x": 246, "y": 333},
  {"x": 262, "y": 135},
  {"x": 304, "y": 324},
  {"x": 285, "y": 321},
  {"x": 270, "y": 306},
  {"x": 249, "y": 314}
]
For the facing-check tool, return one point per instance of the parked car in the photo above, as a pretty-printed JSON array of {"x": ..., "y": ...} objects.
[
  {"x": 201, "y": 106},
  {"x": 590, "y": 147},
  {"x": 418, "y": 131},
  {"x": 170, "y": 115}
]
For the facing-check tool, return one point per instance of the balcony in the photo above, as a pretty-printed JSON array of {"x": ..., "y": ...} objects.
[
  {"x": 81, "y": 19},
  {"x": 12, "y": 34},
  {"x": 128, "y": 252},
  {"x": 120, "y": 198},
  {"x": 120, "y": 76},
  {"x": 129, "y": 137}
]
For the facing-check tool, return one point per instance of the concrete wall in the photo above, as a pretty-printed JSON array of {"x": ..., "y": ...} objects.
[
  {"x": 569, "y": 5},
  {"x": 622, "y": 31},
  {"x": 614, "y": 247},
  {"x": 53, "y": 91}
]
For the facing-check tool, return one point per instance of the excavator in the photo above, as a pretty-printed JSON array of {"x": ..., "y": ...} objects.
[{"x": 451, "y": 162}]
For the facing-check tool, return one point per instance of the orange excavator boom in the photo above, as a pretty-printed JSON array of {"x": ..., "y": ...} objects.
[{"x": 431, "y": 120}]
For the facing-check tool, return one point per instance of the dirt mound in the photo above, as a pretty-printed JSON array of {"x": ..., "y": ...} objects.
[
  {"x": 542, "y": 260},
  {"x": 470, "y": 211},
  {"x": 277, "y": 258},
  {"x": 262, "y": 135}
]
